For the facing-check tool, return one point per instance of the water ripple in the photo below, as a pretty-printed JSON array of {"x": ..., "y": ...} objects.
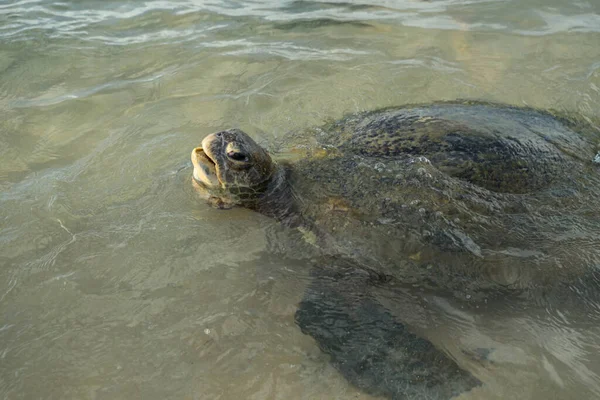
[
  {"x": 85, "y": 92},
  {"x": 289, "y": 50},
  {"x": 187, "y": 19}
]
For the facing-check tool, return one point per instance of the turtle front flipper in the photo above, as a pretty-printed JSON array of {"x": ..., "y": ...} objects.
[{"x": 368, "y": 346}]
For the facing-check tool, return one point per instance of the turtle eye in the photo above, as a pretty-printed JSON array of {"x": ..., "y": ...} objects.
[{"x": 237, "y": 156}]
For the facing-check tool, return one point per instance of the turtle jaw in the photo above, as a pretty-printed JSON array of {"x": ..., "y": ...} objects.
[{"x": 205, "y": 169}]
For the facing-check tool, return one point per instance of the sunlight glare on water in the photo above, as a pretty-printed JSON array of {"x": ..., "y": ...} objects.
[{"x": 116, "y": 282}]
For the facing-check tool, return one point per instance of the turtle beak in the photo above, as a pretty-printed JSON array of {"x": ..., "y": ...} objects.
[{"x": 205, "y": 171}]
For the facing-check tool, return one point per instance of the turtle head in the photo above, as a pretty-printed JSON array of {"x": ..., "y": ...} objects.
[{"x": 231, "y": 166}]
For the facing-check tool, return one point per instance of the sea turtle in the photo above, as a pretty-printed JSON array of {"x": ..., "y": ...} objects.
[{"x": 471, "y": 199}]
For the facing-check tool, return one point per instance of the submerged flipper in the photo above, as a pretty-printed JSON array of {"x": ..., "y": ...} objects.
[{"x": 368, "y": 346}]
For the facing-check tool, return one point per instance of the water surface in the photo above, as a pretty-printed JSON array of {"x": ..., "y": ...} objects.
[{"x": 116, "y": 282}]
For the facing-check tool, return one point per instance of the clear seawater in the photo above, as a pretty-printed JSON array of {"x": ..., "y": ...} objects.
[{"x": 117, "y": 283}]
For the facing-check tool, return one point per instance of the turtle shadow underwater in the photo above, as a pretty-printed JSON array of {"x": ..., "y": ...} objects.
[{"x": 477, "y": 201}]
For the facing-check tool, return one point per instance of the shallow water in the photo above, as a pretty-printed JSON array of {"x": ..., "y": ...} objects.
[{"x": 117, "y": 282}]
